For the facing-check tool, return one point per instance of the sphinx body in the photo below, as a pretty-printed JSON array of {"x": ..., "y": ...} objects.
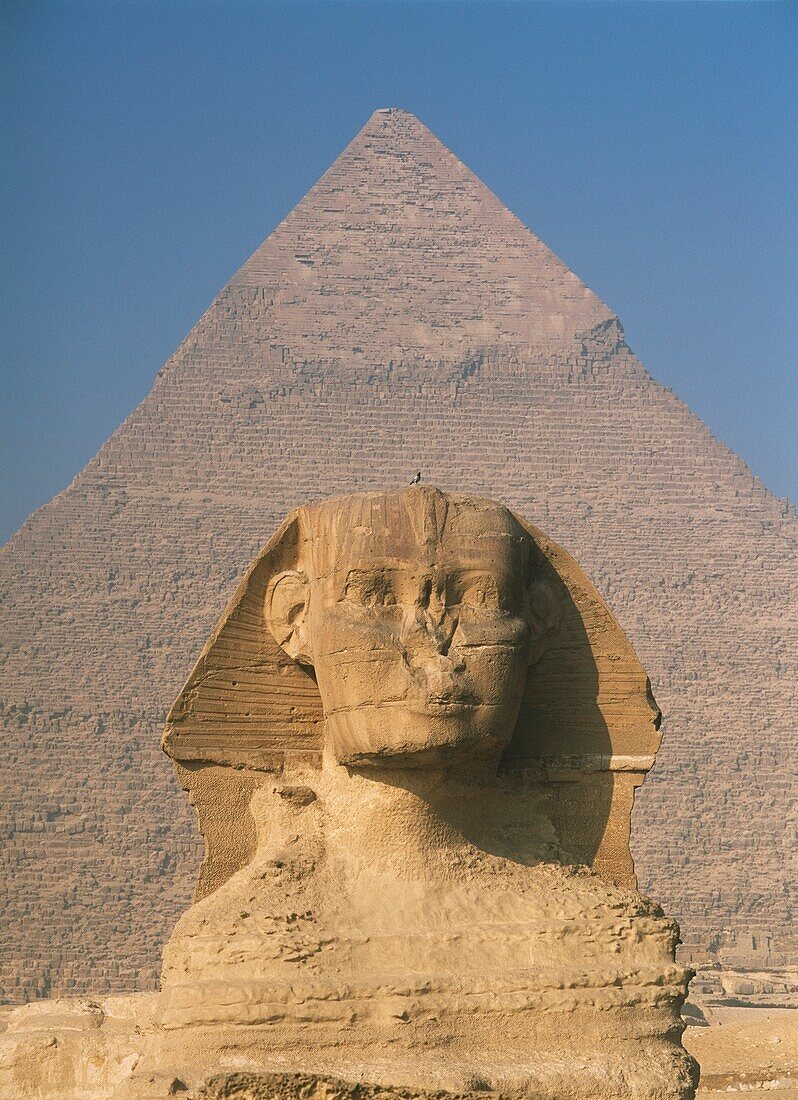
[
  {"x": 413, "y": 742},
  {"x": 382, "y": 933}
]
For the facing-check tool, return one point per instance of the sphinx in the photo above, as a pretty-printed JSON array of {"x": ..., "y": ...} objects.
[{"x": 413, "y": 742}]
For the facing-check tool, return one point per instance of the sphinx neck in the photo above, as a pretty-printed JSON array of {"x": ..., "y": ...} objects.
[{"x": 392, "y": 820}]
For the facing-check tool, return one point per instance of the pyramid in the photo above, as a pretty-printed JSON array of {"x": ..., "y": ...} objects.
[{"x": 400, "y": 318}]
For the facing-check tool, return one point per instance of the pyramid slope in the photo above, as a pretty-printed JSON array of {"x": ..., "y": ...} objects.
[{"x": 112, "y": 588}]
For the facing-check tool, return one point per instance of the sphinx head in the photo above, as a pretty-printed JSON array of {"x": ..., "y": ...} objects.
[{"x": 419, "y": 613}]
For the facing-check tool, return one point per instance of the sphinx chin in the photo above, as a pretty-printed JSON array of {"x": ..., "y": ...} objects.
[{"x": 417, "y": 734}]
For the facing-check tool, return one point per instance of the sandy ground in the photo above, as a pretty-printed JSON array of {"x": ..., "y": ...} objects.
[{"x": 747, "y": 1050}]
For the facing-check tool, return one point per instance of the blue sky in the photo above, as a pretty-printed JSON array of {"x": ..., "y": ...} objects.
[{"x": 149, "y": 147}]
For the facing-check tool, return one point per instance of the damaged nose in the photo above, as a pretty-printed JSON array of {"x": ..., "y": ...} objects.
[
  {"x": 440, "y": 631},
  {"x": 428, "y": 629},
  {"x": 427, "y": 638},
  {"x": 441, "y": 678}
]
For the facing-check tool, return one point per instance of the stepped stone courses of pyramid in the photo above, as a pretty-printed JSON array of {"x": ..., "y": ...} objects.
[{"x": 399, "y": 319}]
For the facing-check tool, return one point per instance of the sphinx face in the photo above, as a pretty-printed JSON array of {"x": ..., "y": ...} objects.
[{"x": 418, "y": 631}]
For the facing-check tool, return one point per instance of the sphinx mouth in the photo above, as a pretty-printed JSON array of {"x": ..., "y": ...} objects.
[{"x": 445, "y": 704}]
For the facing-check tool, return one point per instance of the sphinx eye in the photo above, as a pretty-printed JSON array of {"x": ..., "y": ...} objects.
[
  {"x": 370, "y": 590},
  {"x": 473, "y": 589}
]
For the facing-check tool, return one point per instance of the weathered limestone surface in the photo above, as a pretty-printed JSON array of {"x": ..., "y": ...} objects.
[
  {"x": 399, "y": 319},
  {"x": 410, "y": 901}
]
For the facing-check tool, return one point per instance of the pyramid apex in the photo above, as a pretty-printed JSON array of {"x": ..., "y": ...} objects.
[
  {"x": 400, "y": 247},
  {"x": 396, "y": 114}
]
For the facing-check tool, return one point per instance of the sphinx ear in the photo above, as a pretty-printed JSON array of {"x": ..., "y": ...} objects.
[
  {"x": 287, "y": 598},
  {"x": 544, "y": 605}
]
